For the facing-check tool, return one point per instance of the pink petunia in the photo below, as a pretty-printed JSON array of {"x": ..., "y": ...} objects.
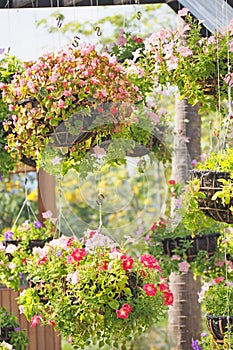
[
  {"x": 122, "y": 313},
  {"x": 61, "y": 103},
  {"x": 218, "y": 280},
  {"x": 35, "y": 320},
  {"x": 150, "y": 289},
  {"x": 127, "y": 307},
  {"x": 183, "y": 12},
  {"x": 183, "y": 266}
]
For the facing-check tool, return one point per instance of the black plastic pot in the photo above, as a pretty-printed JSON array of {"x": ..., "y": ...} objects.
[
  {"x": 207, "y": 243},
  {"x": 218, "y": 326},
  {"x": 209, "y": 185}
]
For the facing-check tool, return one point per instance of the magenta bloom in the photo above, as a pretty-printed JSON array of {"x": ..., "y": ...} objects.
[
  {"x": 127, "y": 263},
  {"x": 78, "y": 254},
  {"x": 122, "y": 313},
  {"x": 127, "y": 308},
  {"x": 150, "y": 289},
  {"x": 169, "y": 297}
]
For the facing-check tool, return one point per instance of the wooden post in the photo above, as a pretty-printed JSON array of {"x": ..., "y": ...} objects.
[
  {"x": 40, "y": 337},
  {"x": 46, "y": 194}
]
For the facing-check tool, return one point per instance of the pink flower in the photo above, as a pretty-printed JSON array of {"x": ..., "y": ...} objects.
[
  {"x": 218, "y": 280},
  {"x": 150, "y": 289},
  {"x": 78, "y": 254},
  {"x": 175, "y": 257},
  {"x": 183, "y": 12},
  {"x": 183, "y": 266},
  {"x": 127, "y": 308},
  {"x": 148, "y": 261},
  {"x": 61, "y": 103},
  {"x": 184, "y": 51},
  {"x": 35, "y": 320},
  {"x": 122, "y": 313}
]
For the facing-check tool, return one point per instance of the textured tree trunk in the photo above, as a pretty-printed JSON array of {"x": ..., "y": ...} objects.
[{"x": 185, "y": 314}]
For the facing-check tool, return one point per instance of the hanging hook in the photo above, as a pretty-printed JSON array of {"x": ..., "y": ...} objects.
[
  {"x": 139, "y": 15},
  {"x": 100, "y": 198},
  {"x": 98, "y": 30},
  {"x": 59, "y": 21},
  {"x": 76, "y": 43}
]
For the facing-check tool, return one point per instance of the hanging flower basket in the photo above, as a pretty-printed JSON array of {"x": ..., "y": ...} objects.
[
  {"x": 210, "y": 184},
  {"x": 95, "y": 291},
  {"x": 207, "y": 243},
  {"x": 219, "y": 326}
]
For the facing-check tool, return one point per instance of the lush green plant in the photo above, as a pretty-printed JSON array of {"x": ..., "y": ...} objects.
[
  {"x": 112, "y": 296},
  {"x": 188, "y": 223},
  {"x": 16, "y": 247},
  {"x": 17, "y": 337},
  {"x": 126, "y": 46},
  {"x": 221, "y": 163},
  {"x": 197, "y": 65},
  {"x": 218, "y": 296},
  {"x": 9, "y": 65},
  {"x": 91, "y": 85}
]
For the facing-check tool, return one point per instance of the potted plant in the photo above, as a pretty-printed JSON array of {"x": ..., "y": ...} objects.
[
  {"x": 57, "y": 86},
  {"x": 217, "y": 299},
  {"x": 9, "y": 65},
  {"x": 186, "y": 59},
  {"x": 188, "y": 238},
  {"x": 213, "y": 187},
  {"x": 16, "y": 247},
  {"x": 127, "y": 46},
  {"x": 95, "y": 291},
  {"x": 11, "y": 336}
]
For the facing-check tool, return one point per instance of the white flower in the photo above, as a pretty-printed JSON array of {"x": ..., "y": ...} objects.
[
  {"x": 2, "y": 246},
  {"x": 59, "y": 242},
  {"x": 12, "y": 265},
  {"x": 73, "y": 277},
  {"x": 98, "y": 240},
  {"x": 11, "y": 248},
  {"x": 40, "y": 251},
  {"x": 4, "y": 345}
]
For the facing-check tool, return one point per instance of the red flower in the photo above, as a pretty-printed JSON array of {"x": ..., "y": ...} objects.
[
  {"x": 154, "y": 226},
  {"x": 150, "y": 289},
  {"x": 42, "y": 260},
  {"x": 51, "y": 323},
  {"x": 127, "y": 263},
  {"x": 138, "y": 40},
  {"x": 24, "y": 261},
  {"x": 104, "y": 266},
  {"x": 163, "y": 287},
  {"x": 127, "y": 308},
  {"x": 171, "y": 182},
  {"x": 169, "y": 297},
  {"x": 78, "y": 254},
  {"x": 122, "y": 313},
  {"x": 70, "y": 242}
]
